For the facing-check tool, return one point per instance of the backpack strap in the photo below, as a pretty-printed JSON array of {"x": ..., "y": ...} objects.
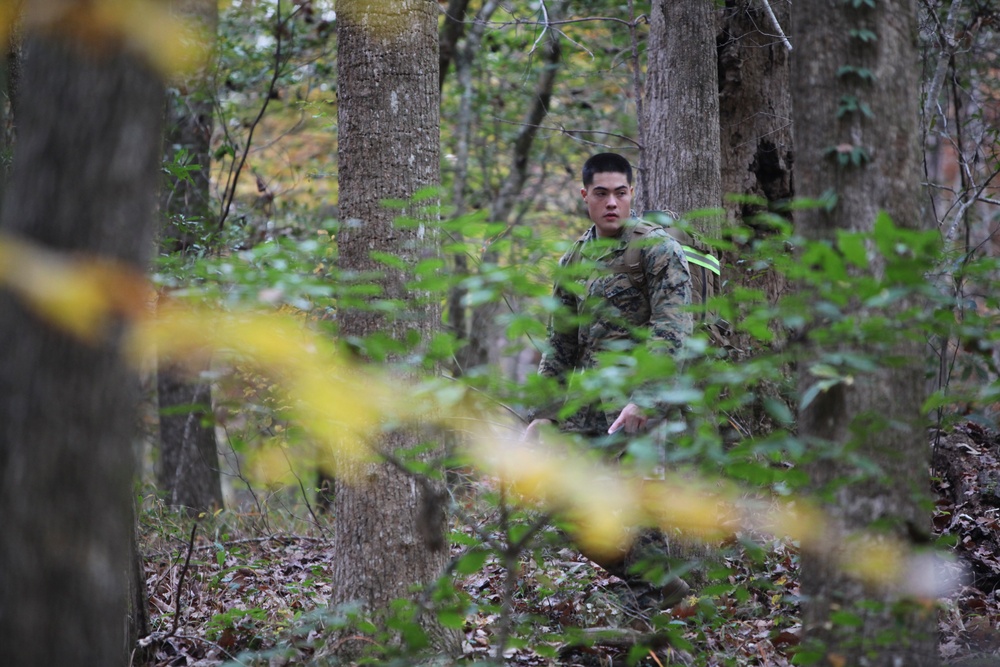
[{"x": 631, "y": 259}]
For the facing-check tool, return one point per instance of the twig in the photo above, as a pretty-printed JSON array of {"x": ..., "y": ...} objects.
[
  {"x": 545, "y": 26},
  {"x": 180, "y": 581},
  {"x": 239, "y": 475},
  {"x": 777, "y": 26},
  {"x": 947, "y": 37},
  {"x": 230, "y": 194},
  {"x": 305, "y": 496}
]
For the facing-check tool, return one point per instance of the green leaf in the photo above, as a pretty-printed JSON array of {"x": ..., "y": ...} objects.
[
  {"x": 390, "y": 260},
  {"x": 815, "y": 390},
  {"x": 451, "y": 619},
  {"x": 471, "y": 561},
  {"x": 778, "y": 410}
]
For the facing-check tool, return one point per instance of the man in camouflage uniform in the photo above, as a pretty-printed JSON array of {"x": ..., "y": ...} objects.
[{"x": 608, "y": 316}]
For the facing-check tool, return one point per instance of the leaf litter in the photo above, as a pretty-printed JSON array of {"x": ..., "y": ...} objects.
[{"x": 248, "y": 598}]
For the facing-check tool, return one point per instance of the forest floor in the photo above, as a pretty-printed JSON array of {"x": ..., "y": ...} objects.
[{"x": 252, "y": 594}]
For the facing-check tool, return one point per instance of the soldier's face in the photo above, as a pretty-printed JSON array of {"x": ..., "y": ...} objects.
[{"x": 609, "y": 202}]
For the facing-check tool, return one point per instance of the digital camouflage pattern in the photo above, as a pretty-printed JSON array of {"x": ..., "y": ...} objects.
[{"x": 613, "y": 310}]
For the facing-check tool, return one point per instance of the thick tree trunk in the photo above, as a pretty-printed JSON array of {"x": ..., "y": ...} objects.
[
  {"x": 188, "y": 470},
  {"x": 84, "y": 180},
  {"x": 878, "y": 416},
  {"x": 755, "y": 117},
  {"x": 679, "y": 167},
  {"x": 388, "y": 149}
]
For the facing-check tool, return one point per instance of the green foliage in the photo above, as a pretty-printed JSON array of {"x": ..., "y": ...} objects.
[
  {"x": 836, "y": 326},
  {"x": 862, "y": 73}
]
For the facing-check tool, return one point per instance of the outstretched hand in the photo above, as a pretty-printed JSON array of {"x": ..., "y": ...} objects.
[{"x": 631, "y": 418}]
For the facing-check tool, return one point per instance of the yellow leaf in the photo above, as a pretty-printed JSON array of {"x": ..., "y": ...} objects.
[
  {"x": 78, "y": 295},
  {"x": 169, "y": 43}
]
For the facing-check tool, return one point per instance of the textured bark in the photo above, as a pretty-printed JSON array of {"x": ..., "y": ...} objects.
[
  {"x": 679, "y": 167},
  {"x": 755, "y": 121},
  {"x": 388, "y": 529},
  {"x": 84, "y": 180},
  {"x": 755, "y": 117},
  {"x": 188, "y": 470},
  {"x": 879, "y": 413},
  {"x": 10, "y": 76}
]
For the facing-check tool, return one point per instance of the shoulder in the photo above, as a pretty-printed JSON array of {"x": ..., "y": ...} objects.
[
  {"x": 573, "y": 253},
  {"x": 655, "y": 240}
]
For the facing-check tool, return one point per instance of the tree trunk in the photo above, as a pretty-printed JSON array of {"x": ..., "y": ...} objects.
[
  {"x": 755, "y": 117},
  {"x": 878, "y": 415},
  {"x": 10, "y": 75},
  {"x": 84, "y": 180},
  {"x": 679, "y": 165},
  {"x": 388, "y": 528},
  {"x": 188, "y": 470}
]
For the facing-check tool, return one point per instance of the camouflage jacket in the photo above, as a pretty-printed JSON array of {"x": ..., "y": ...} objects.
[{"x": 611, "y": 311}]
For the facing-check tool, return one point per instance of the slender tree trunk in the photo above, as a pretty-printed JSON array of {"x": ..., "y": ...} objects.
[
  {"x": 188, "y": 472},
  {"x": 484, "y": 330},
  {"x": 84, "y": 180},
  {"x": 878, "y": 415},
  {"x": 388, "y": 529},
  {"x": 451, "y": 32},
  {"x": 680, "y": 160}
]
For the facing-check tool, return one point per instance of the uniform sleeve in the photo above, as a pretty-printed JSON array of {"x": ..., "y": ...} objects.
[{"x": 669, "y": 288}]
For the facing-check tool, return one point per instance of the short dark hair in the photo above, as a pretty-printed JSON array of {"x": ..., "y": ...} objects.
[{"x": 604, "y": 163}]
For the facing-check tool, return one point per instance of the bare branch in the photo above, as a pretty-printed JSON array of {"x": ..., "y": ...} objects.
[
  {"x": 947, "y": 39},
  {"x": 777, "y": 26}
]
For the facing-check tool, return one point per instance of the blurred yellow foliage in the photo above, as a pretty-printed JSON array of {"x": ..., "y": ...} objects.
[
  {"x": 170, "y": 43},
  {"x": 339, "y": 404},
  {"x": 78, "y": 294},
  {"x": 342, "y": 404}
]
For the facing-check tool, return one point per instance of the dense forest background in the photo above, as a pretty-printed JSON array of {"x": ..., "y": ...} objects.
[{"x": 276, "y": 279}]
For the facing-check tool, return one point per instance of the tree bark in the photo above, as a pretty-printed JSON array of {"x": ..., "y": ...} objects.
[
  {"x": 679, "y": 165},
  {"x": 188, "y": 471},
  {"x": 84, "y": 180},
  {"x": 10, "y": 76},
  {"x": 755, "y": 121},
  {"x": 878, "y": 415},
  {"x": 388, "y": 529}
]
